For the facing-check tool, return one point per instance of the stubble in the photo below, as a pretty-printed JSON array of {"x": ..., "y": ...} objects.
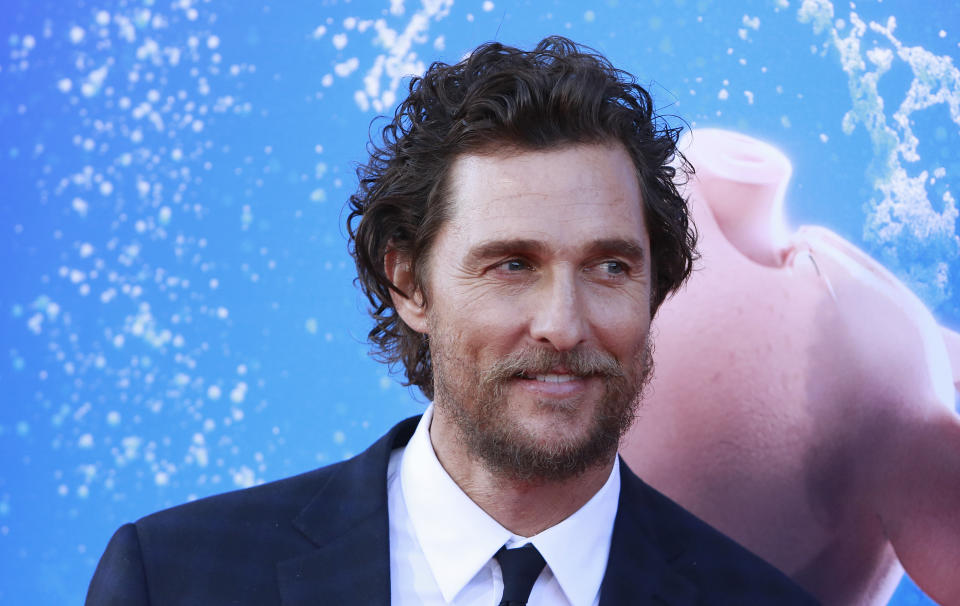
[{"x": 487, "y": 430}]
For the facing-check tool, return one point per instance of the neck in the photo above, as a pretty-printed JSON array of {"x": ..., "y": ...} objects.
[{"x": 524, "y": 507}]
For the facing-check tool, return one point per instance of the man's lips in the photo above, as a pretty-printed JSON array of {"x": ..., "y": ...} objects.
[
  {"x": 553, "y": 384},
  {"x": 553, "y": 379},
  {"x": 549, "y": 377}
]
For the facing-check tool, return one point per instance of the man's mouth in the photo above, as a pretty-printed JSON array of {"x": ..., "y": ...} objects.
[
  {"x": 549, "y": 377},
  {"x": 554, "y": 378}
]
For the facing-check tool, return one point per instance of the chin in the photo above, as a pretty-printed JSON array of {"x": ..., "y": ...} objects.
[{"x": 551, "y": 450}]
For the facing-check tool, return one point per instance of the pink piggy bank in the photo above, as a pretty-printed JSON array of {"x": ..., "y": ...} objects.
[{"x": 803, "y": 398}]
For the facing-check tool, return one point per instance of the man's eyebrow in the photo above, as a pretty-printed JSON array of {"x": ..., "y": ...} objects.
[
  {"x": 501, "y": 248},
  {"x": 631, "y": 250}
]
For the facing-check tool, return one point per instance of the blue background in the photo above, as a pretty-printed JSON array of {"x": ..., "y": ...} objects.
[{"x": 177, "y": 313}]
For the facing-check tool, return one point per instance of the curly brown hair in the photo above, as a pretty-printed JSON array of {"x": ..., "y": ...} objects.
[{"x": 557, "y": 94}]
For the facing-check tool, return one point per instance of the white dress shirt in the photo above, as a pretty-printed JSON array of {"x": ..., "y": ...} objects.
[{"x": 442, "y": 544}]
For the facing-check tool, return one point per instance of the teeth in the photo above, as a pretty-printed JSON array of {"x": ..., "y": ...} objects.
[{"x": 554, "y": 378}]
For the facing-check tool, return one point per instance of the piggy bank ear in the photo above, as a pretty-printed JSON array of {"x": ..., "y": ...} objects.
[{"x": 742, "y": 181}]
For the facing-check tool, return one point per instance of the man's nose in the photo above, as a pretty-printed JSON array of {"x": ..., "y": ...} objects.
[{"x": 559, "y": 314}]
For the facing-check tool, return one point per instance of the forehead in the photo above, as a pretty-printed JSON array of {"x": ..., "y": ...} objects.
[{"x": 564, "y": 196}]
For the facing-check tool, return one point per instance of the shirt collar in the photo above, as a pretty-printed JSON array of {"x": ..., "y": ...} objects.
[
  {"x": 579, "y": 570},
  {"x": 458, "y": 538}
]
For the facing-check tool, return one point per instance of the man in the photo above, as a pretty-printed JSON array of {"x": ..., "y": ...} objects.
[
  {"x": 816, "y": 425},
  {"x": 515, "y": 234}
]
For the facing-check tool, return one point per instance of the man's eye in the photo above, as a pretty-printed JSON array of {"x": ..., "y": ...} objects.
[
  {"x": 514, "y": 265},
  {"x": 614, "y": 267}
]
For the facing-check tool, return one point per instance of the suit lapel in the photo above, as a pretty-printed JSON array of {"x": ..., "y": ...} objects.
[
  {"x": 639, "y": 569},
  {"x": 348, "y": 522}
]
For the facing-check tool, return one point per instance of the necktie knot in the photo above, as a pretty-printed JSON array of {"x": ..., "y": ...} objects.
[{"x": 520, "y": 568}]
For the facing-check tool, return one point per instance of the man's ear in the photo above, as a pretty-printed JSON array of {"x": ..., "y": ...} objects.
[{"x": 409, "y": 305}]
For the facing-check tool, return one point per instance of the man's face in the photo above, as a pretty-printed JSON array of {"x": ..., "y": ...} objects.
[{"x": 538, "y": 313}]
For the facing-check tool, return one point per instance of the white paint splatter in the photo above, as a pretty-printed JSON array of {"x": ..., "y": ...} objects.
[
  {"x": 244, "y": 477},
  {"x": 347, "y": 67},
  {"x": 94, "y": 81},
  {"x": 383, "y": 78},
  {"x": 238, "y": 393},
  {"x": 914, "y": 239},
  {"x": 80, "y": 206}
]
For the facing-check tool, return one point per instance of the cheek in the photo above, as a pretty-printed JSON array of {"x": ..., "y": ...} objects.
[
  {"x": 627, "y": 338},
  {"x": 473, "y": 324},
  {"x": 622, "y": 324}
]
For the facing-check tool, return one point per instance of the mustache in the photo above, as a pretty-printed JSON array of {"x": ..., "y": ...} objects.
[{"x": 542, "y": 361}]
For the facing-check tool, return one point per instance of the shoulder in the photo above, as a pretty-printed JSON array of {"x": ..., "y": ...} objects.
[
  {"x": 220, "y": 548},
  {"x": 233, "y": 541},
  {"x": 259, "y": 506},
  {"x": 271, "y": 506},
  {"x": 719, "y": 567}
]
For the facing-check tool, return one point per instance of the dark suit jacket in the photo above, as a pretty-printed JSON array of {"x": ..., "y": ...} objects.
[{"x": 322, "y": 538}]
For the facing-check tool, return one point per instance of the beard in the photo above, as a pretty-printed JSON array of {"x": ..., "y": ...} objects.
[{"x": 477, "y": 403}]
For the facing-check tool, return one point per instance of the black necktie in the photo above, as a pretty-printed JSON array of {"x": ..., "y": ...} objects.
[{"x": 520, "y": 567}]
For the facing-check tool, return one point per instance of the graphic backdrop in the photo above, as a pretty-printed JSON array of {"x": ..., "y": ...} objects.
[{"x": 177, "y": 314}]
